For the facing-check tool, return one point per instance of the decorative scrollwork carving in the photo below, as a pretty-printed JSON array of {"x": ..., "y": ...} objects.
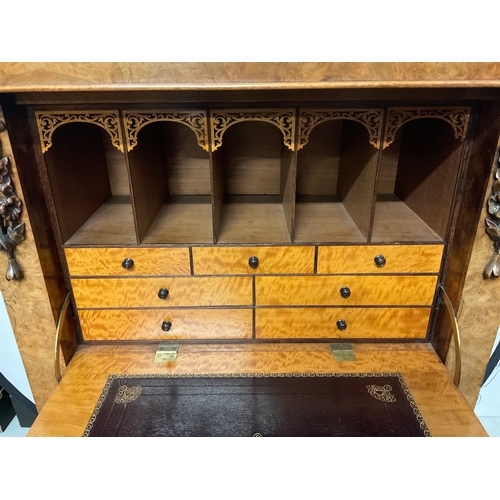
[
  {"x": 195, "y": 120},
  {"x": 370, "y": 118},
  {"x": 382, "y": 393},
  {"x": 458, "y": 118},
  {"x": 12, "y": 230},
  {"x": 48, "y": 121},
  {"x": 127, "y": 394},
  {"x": 220, "y": 121},
  {"x": 492, "y": 268}
]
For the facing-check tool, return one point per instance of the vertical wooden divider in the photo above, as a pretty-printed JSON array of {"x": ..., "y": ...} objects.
[
  {"x": 357, "y": 174},
  {"x": 217, "y": 173},
  {"x": 130, "y": 184},
  {"x": 148, "y": 176},
  {"x": 288, "y": 186}
]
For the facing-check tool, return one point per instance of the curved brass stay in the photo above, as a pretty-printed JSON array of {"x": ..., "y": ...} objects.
[
  {"x": 59, "y": 325},
  {"x": 456, "y": 335}
]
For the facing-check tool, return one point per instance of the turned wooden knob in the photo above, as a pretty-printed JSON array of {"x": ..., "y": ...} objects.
[
  {"x": 166, "y": 325},
  {"x": 128, "y": 264},
  {"x": 380, "y": 260},
  {"x": 341, "y": 324},
  {"x": 163, "y": 293},
  {"x": 345, "y": 291},
  {"x": 253, "y": 262}
]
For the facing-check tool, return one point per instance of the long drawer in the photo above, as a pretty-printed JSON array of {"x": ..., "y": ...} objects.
[
  {"x": 366, "y": 323},
  {"x": 270, "y": 260},
  {"x": 144, "y": 292},
  {"x": 146, "y": 324},
  {"x": 326, "y": 290},
  {"x": 390, "y": 259},
  {"x": 141, "y": 261}
]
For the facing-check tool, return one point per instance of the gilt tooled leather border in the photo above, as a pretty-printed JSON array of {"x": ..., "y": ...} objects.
[{"x": 112, "y": 377}]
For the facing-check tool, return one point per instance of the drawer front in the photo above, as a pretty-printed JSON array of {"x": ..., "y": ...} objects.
[
  {"x": 325, "y": 290},
  {"x": 146, "y": 261},
  {"x": 271, "y": 260},
  {"x": 140, "y": 324},
  {"x": 361, "y": 259},
  {"x": 143, "y": 292},
  {"x": 362, "y": 323}
]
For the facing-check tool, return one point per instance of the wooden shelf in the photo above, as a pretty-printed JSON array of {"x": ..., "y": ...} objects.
[
  {"x": 253, "y": 219},
  {"x": 395, "y": 222},
  {"x": 324, "y": 219},
  {"x": 185, "y": 219},
  {"x": 112, "y": 224}
]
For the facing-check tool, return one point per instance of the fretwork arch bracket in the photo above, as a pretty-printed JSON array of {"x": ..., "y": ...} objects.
[
  {"x": 49, "y": 121},
  {"x": 458, "y": 118},
  {"x": 284, "y": 119},
  {"x": 371, "y": 118},
  {"x": 135, "y": 120}
]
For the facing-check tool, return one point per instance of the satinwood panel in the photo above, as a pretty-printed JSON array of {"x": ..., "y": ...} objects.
[
  {"x": 363, "y": 323},
  {"x": 143, "y": 292},
  {"x": 108, "y": 261},
  {"x": 140, "y": 324},
  {"x": 361, "y": 259},
  {"x": 272, "y": 260},
  {"x": 325, "y": 290}
]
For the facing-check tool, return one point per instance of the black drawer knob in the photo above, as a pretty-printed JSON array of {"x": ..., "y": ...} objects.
[
  {"x": 166, "y": 325},
  {"x": 341, "y": 324},
  {"x": 253, "y": 262},
  {"x": 380, "y": 260},
  {"x": 163, "y": 293},
  {"x": 345, "y": 291},
  {"x": 128, "y": 263}
]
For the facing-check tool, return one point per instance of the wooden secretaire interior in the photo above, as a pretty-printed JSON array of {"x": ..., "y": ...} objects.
[{"x": 250, "y": 218}]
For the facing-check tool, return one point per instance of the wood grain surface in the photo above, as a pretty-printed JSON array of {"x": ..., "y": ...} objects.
[
  {"x": 27, "y": 301},
  {"x": 272, "y": 260},
  {"x": 395, "y": 222},
  {"x": 325, "y": 290},
  {"x": 143, "y": 292},
  {"x": 362, "y": 323},
  {"x": 253, "y": 219},
  {"x": 147, "y": 261},
  {"x": 444, "y": 409},
  {"x": 360, "y": 259},
  {"x": 133, "y": 324},
  {"x": 42, "y": 76},
  {"x": 320, "y": 220},
  {"x": 112, "y": 224}
]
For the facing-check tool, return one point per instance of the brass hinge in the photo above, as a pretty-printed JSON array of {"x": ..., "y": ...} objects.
[
  {"x": 166, "y": 353},
  {"x": 342, "y": 352}
]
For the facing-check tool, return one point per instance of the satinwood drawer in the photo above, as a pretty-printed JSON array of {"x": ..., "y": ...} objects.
[
  {"x": 112, "y": 261},
  {"x": 161, "y": 324},
  {"x": 270, "y": 260},
  {"x": 326, "y": 290},
  {"x": 366, "y": 323},
  {"x": 390, "y": 259},
  {"x": 144, "y": 292}
]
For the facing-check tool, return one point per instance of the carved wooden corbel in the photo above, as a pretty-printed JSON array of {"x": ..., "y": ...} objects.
[
  {"x": 492, "y": 268},
  {"x": 12, "y": 230}
]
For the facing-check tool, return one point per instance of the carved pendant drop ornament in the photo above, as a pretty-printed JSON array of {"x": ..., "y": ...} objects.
[{"x": 12, "y": 230}]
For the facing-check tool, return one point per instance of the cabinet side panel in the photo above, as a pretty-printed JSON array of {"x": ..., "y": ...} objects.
[
  {"x": 358, "y": 167},
  {"x": 76, "y": 165},
  {"x": 149, "y": 177},
  {"x": 428, "y": 165}
]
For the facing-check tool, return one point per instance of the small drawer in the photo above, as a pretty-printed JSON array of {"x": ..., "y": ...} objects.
[
  {"x": 253, "y": 260},
  {"x": 388, "y": 259},
  {"x": 166, "y": 324},
  {"x": 362, "y": 323},
  {"x": 128, "y": 261},
  {"x": 345, "y": 290},
  {"x": 162, "y": 292}
]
